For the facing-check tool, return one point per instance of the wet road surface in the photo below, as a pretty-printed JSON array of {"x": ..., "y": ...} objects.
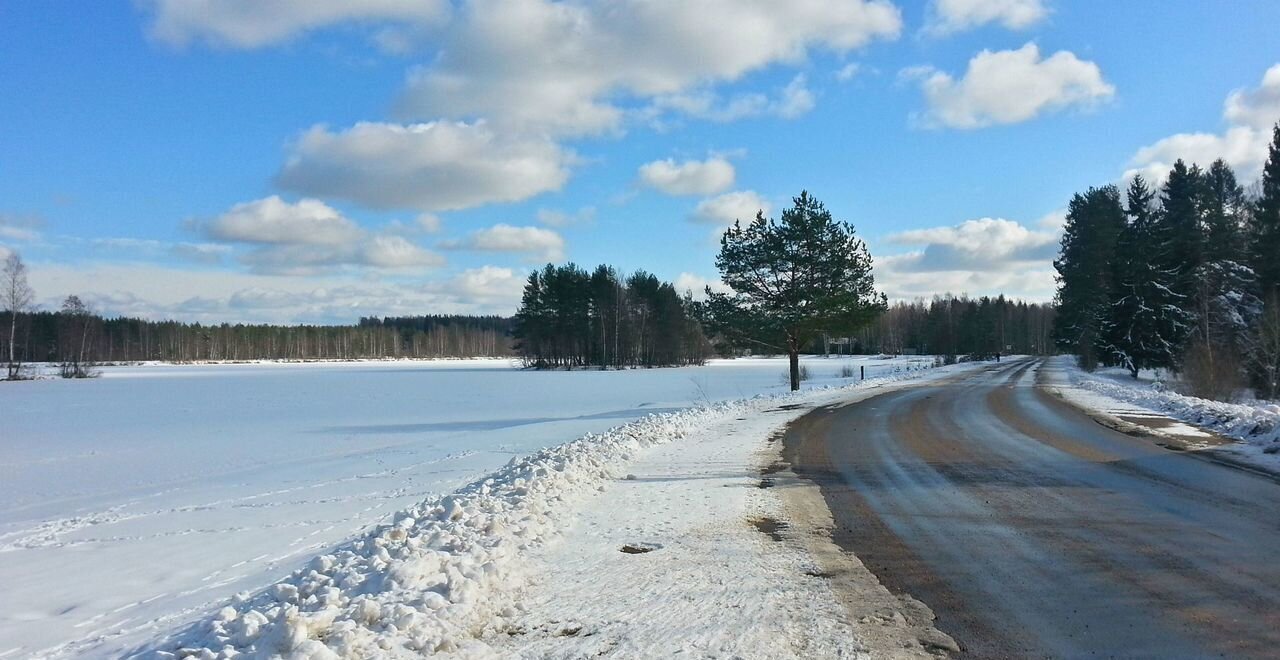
[{"x": 1033, "y": 531}]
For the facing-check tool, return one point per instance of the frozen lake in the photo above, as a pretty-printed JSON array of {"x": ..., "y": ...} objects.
[{"x": 132, "y": 502}]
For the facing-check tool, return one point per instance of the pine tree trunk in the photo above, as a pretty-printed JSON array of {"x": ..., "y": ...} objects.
[{"x": 793, "y": 356}]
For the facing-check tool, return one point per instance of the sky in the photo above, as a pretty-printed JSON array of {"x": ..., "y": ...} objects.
[{"x": 315, "y": 161}]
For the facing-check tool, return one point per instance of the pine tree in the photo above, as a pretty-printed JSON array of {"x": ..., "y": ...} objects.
[
  {"x": 793, "y": 279},
  {"x": 1084, "y": 264}
]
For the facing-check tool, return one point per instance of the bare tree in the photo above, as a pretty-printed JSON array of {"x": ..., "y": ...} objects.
[
  {"x": 77, "y": 325},
  {"x": 16, "y": 297},
  {"x": 1265, "y": 349}
]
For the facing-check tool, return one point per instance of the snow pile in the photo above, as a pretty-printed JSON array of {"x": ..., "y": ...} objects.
[
  {"x": 1257, "y": 424},
  {"x": 420, "y": 584},
  {"x": 427, "y": 581}
]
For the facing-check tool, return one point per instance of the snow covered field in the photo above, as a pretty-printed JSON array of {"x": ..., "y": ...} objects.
[{"x": 134, "y": 502}]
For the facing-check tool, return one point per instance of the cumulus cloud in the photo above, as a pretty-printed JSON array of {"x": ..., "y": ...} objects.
[
  {"x": 256, "y": 23},
  {"x": 570, "y": 63},
  {"x": 437, "y": 166},
  {"x": 309, "y": 236},
  {"x": 691, "y": 177},
  {"x": 539, "y": 243},
  {"x": 950, "y": 16},
  {"x": 1009, "y": 86},
  {"x": 696, "y": 285},
  {"x": 725, "y": 209},
  {"x": 273, "y": 220},
  {"x": 487, "y": 284},
  {"x": 982, "y": 256},
  {"x": 1249, "y": 115}
]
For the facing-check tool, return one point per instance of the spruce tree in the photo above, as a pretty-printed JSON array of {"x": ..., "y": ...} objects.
[
  {"x": 1223, "y": 206},
  {"x": 1084, "y": 264},
  {"x": 1265, "y": 228},
  {"x": 1145, "y": 323},
  {"x": 1182, "y": 229}
]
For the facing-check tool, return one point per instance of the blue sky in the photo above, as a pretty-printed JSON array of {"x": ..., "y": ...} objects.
[{"x": 293, "y": 161}]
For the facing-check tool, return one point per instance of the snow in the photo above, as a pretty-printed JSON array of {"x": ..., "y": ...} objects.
[
  {"x": 140, "y": 501},
  {"x": 1254, "y": 426},
  {"x": 445, "y": 575}
]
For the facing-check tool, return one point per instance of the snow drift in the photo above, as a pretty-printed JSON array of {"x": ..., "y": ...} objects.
[
  {"x": 1256, "y": 424},
  {"x": 428, "y": 581}
]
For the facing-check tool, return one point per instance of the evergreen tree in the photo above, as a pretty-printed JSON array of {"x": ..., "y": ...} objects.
[
  {"x": 1182, "y": 228},
  {"x": 1224, "y": 211},
  {"x": 1265, "y": 254},
  {"x": 1265, "y": 226},
  {"x": 1084, "y": 264},
  {"x": 794, "y": 279},
  {"x": 1145, "y": 323}
]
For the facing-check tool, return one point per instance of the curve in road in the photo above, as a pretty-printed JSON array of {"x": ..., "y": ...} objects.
[{"x": 1031, "y": 530}]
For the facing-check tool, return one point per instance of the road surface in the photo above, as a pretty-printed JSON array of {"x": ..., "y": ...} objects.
[{"x": 1033, "y": 531}]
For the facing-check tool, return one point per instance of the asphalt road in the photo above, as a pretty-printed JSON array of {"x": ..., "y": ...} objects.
[{"x": 1033, "y": 531}]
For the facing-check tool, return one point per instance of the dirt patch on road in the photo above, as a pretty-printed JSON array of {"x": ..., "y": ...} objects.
[{"x": 890, "y": 625}]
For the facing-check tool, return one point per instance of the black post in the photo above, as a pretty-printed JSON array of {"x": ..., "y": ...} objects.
[{"x": 862, "y": 369}]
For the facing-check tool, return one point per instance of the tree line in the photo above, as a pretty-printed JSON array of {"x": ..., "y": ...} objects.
[
  {"x": 76, "y": 338},
  {"x": 1184, "y": 277},
  {"x": 959, "y": 325},
  {"x": 569, "y": 318}
]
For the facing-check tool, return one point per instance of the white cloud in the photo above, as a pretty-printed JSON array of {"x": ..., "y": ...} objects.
[
  {"x": 725, "y": 209},
  {"x": 790, "y": 102},
  {"x": 950, "y": 16},
  {"x": 539, "y": 243},
  {"x": 1249, "y": 115},
  {"x": 691, "y": 177},
  {"x": 273, "y": 220},
  {"x": 563, "y": 67},
  {"x": 437, "y": 166},
  {"x": 488, "y": 284},
  {"x": 309, "y": 236},
  {"x": 205, "y": 253},
  {"x": 558, "y": 218},
  {"x": 848, "y": 72},
  {"x": 396, "y": 252},
  {"x": 256, "y": 23},
  {"x": 160, "y": 292},
  {"x": 429, "y": 223},
  {"x": 696, "y": 285},
  {"x": 18, "y": 227},
  {"x": 982, "y": 256},
  {"x": 1009, "y": 86}
]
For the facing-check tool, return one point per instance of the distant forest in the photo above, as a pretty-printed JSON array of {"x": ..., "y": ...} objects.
[
  {"x": 44, "y": 336},
  {"x": 951, "y": 325},
  {"x": 573, "y": 318}
]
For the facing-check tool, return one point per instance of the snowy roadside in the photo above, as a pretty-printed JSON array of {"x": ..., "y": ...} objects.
[
  {"x": 1194, "y": 422},
  {"x": 488, "y": 570}
]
